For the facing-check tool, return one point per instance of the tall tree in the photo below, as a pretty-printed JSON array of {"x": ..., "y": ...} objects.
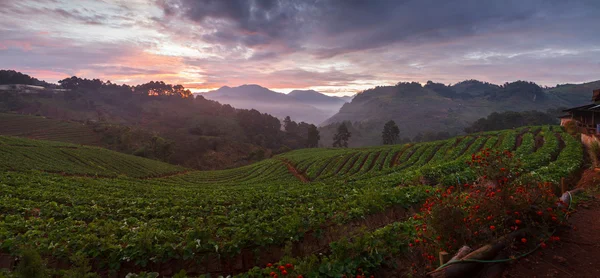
[
  {"x": 391, "y": 133},
  {"x": 289, "y": 125},
  {"x": 340, "y": 139},
  {"x": 313, "y": 137}
]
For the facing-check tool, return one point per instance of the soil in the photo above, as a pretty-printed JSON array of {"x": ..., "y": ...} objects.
[
  {"x": 519, "y": 140},
  {"x": 295, "y": 172},
  {"x": 578, "y": 252}
]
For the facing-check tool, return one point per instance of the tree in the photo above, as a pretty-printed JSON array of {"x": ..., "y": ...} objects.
[
  {"x": 313, "y": 137},
  {"x": 340, "y": 139},
  {"x": 289, "y": 125},
  {"x": 391, "y": 133}
]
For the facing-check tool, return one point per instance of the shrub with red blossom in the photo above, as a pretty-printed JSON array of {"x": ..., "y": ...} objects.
[{"x": 500, "y": 202}]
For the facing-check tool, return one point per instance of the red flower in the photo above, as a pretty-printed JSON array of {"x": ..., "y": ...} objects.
[
  {"x": 289, "y": 266},
  {"x": 269, "y": 265},
  {"x": 492, "y": 227},
  {"x": 518, "y": 222},
  {"x": 284, "y": 272},
  {"x": 524, "y": 240},
  {"x": 543, "y": 245},
  {"x": 281, "y": 268},
  {"x": 272, "y": 273},
  {"x": 540, "y": 213},
  {"x": 300, "y": 276}
]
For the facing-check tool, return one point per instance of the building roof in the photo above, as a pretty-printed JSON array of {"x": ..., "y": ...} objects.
[{"x": 589, "y": 107}]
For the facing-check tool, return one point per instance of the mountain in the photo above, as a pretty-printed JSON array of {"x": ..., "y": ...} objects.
[
  {"x": 577, "y": 93},
  {"x": 302, "y": 106},
  {"x": 323, "y": 102},
  {"x": 436, "y": 107}
]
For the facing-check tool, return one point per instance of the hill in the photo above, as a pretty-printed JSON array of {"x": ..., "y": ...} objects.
[
  {"x": 20, "y": 154},
  {"x": 154, "y": 120},
  {"x": 575, "y": 93},
  {"x": 41, "y": 128},
  {"x": 303, "y": 106},
  {"x": 231, "y": 221},
  {"x": 436, "y": 107}
]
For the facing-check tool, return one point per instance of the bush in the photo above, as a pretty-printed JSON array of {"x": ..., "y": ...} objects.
[
  {"x": 31, "y": 265},
  {"x": 498, "y": 203}
]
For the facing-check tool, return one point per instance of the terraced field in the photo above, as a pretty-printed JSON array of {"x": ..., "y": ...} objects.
[
  {"x": 106, "y": 207},
  {"x": 40, "y": 128}
]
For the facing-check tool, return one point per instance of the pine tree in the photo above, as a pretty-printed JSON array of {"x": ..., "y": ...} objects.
[
  {"x": 313, "y": 137},
  {"x": 340, "y": 139},
  {"x": 391, "y": 133}
]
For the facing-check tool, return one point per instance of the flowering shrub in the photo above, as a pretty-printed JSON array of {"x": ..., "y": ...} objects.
[{"x": 498, "y": 203}]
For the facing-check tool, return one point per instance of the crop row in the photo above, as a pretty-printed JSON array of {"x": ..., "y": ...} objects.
[{"x": 76, "y": 160}]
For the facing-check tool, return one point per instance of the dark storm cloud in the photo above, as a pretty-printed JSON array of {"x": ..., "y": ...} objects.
[{"x": 341, "y": 26}]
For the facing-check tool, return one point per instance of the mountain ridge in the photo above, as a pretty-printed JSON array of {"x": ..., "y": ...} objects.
[
  {"x": 301, "y": 105},
  {"x": 435, "y": 107}
]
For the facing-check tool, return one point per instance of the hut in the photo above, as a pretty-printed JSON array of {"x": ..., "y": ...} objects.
[{"x": 587, "y": 117}]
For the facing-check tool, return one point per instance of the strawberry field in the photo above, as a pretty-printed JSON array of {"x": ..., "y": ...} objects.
[{"x": 122, "y": 214}]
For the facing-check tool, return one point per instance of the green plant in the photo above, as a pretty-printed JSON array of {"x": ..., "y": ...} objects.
[
  {"x": 500, "y": 203},
  {"x": 31, "y": 265}
]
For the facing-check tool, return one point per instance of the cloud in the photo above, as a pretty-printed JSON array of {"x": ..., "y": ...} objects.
[{"x": 332, "y": 45}]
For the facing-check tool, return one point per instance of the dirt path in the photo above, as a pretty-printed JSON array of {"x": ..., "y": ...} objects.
[
  {"x": 578, "y": 252},
  {"x": 295, "y": 171}
]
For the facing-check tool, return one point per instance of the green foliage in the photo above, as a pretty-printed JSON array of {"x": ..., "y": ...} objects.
[
  {"x": 146, "y": 221},
  {"x": 25, "y": 155},
  {"x": 511, "y": 119},
  {"x": 31, "y": 265},
  {"x": 391, "y": 133},
  {"x": 340, "y": 139}
]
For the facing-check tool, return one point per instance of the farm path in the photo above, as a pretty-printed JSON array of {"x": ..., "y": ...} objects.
[{"x": 578, "y": 252}]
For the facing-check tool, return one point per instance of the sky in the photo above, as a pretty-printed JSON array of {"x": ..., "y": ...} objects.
[{"x": 333, "y": 46}]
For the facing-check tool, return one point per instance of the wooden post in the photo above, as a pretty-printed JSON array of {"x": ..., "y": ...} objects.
[
  {"x": 563, "y": 186},
  {"x": 444, "y": 256}
]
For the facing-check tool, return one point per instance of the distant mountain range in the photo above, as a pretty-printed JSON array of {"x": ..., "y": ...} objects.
[
  {"x": 301, "y": 105},
  {"x": 436, "y": 107}
]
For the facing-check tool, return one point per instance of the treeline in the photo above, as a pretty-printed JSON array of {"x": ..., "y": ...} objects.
[
  {"x": 152, "y": 88},
  {"x": 390, "y": 134},
  {"x": 511, "y": 119},
  {"x": 14, "y": 77}
]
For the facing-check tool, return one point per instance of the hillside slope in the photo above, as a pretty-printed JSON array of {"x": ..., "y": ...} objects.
[
  {"x": 19, "y": 154},
  {"x": 41, "y": 128},
  {"x": 244, "y": 215},
  {"x": 439, "y": 108},
  {"x": 153, "y": 120}
]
